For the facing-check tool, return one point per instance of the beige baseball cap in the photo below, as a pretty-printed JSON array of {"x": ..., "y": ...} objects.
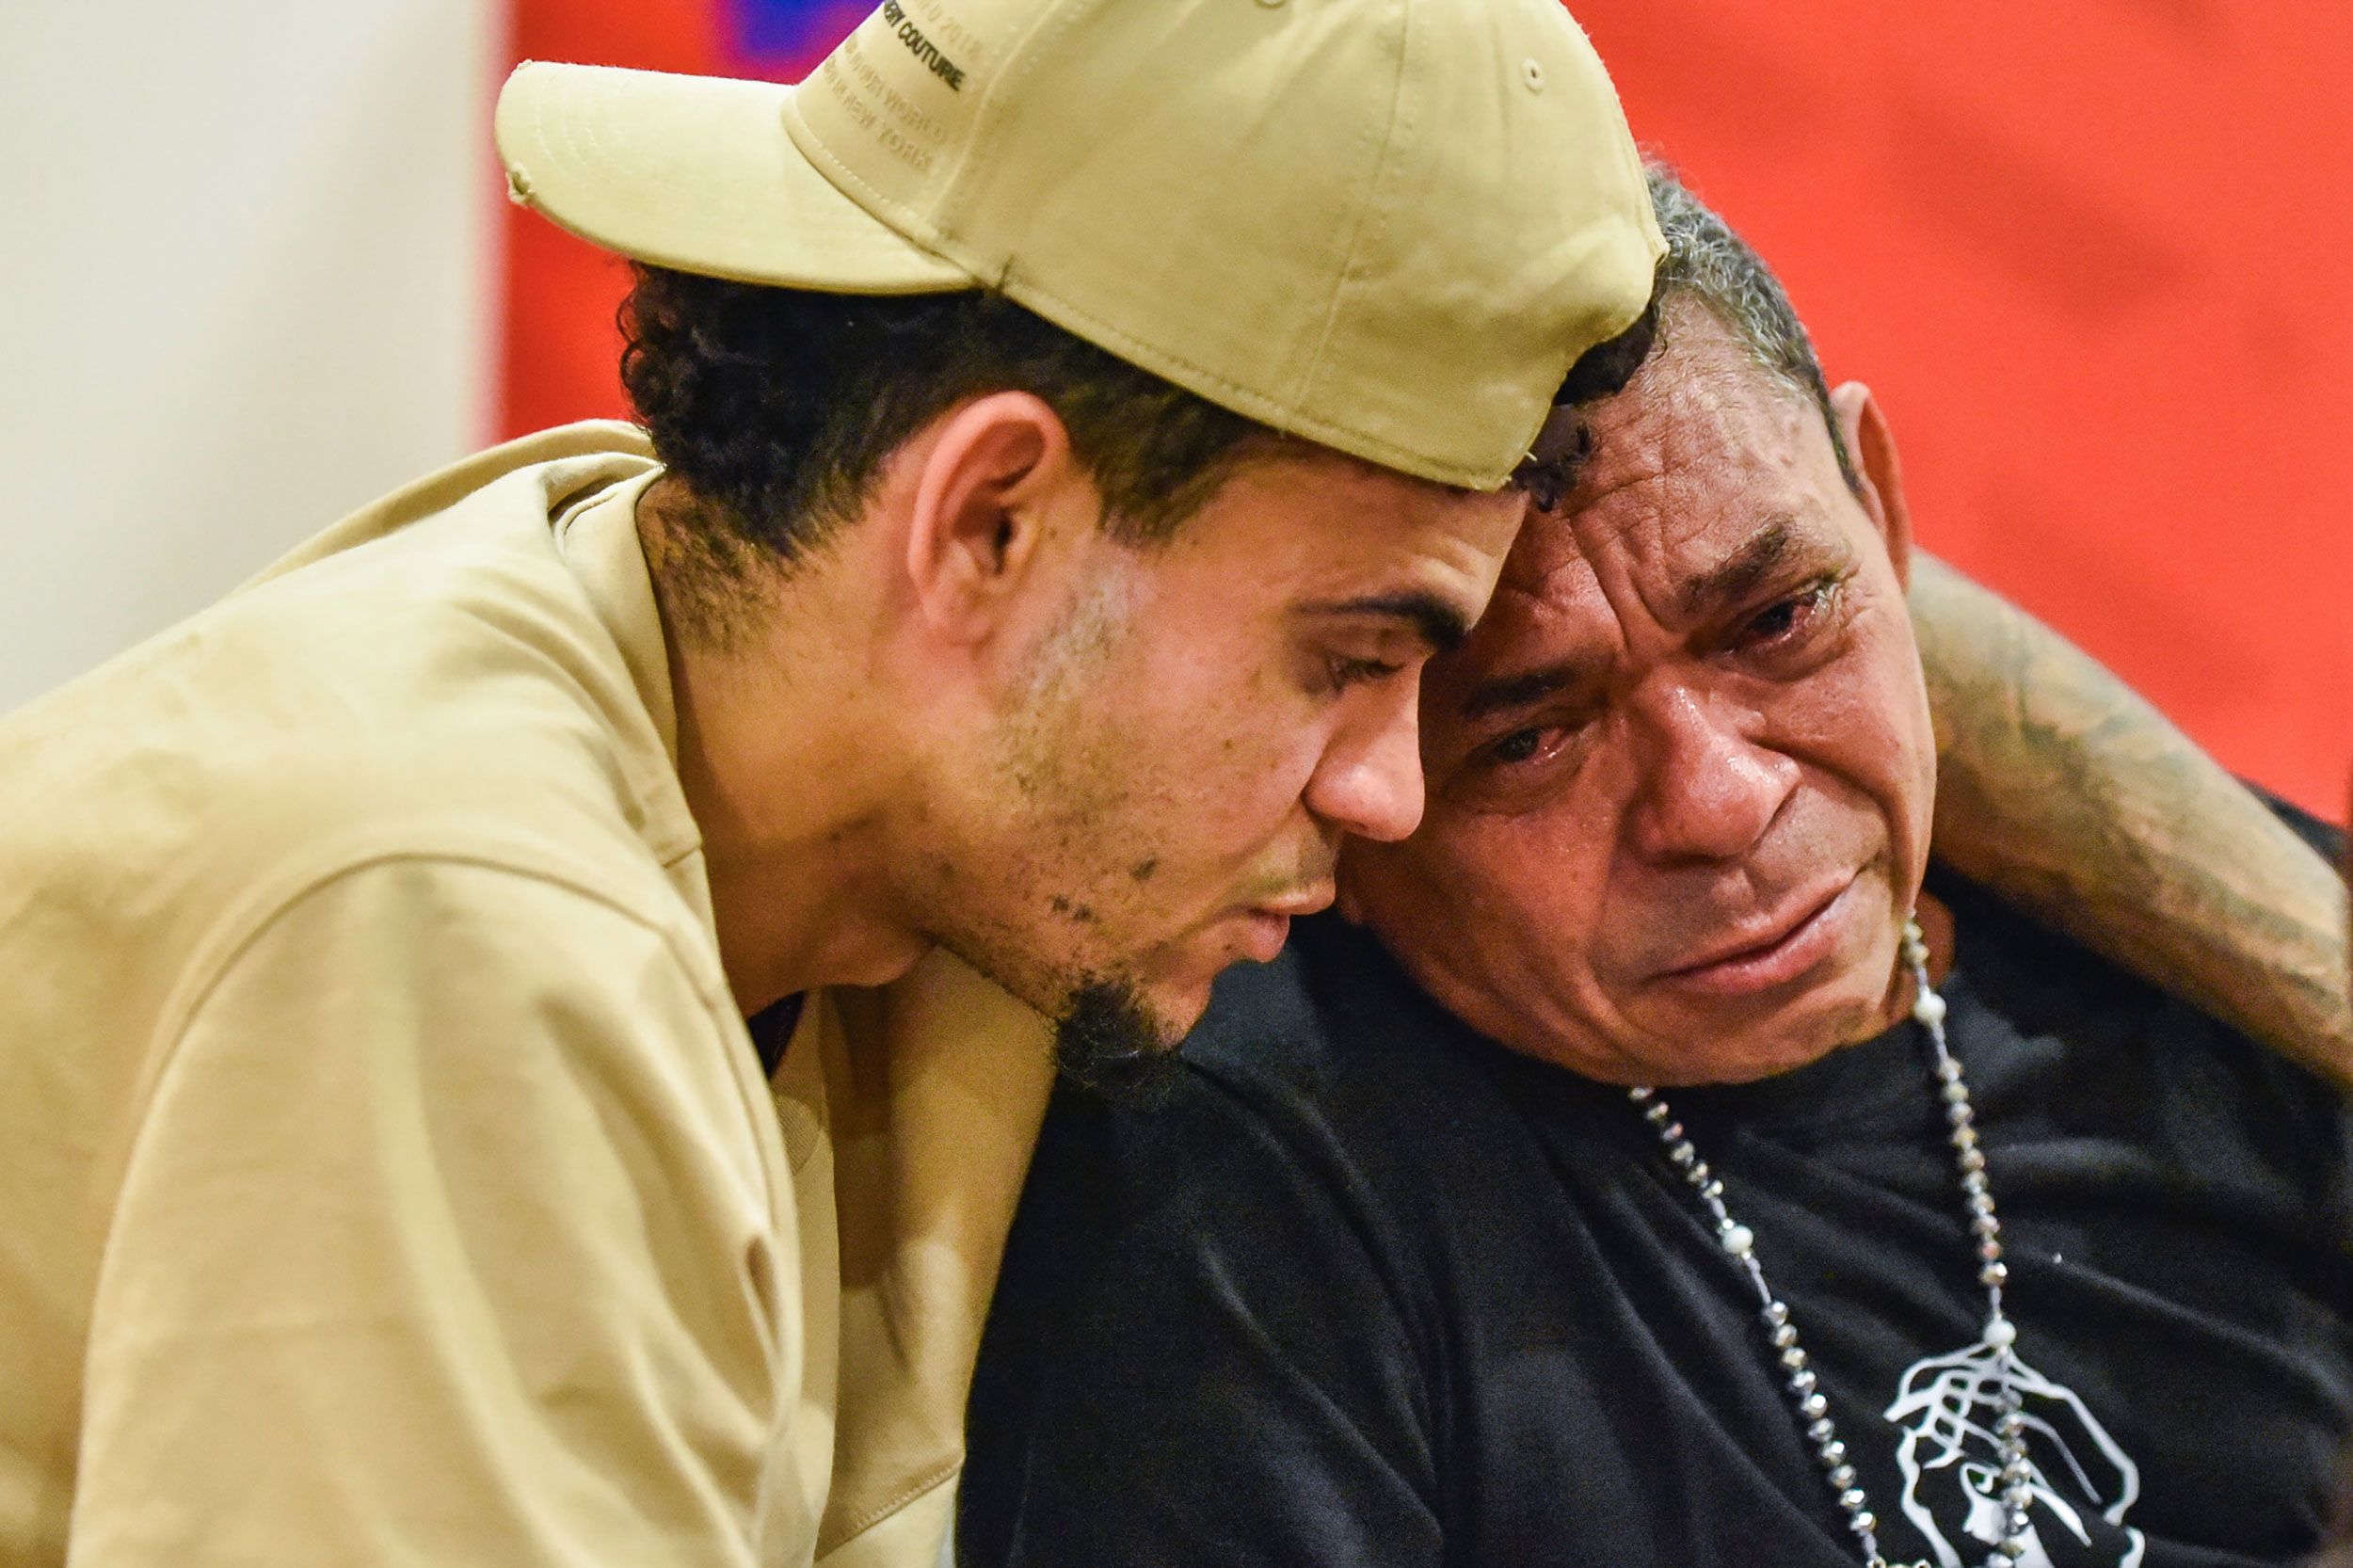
[{"x": 1387, "y": 226}]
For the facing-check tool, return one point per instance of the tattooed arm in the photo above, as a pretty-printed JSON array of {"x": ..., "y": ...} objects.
[{"x": 2081, "y": 803}]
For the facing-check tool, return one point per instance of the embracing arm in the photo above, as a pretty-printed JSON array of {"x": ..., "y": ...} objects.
[{"x": 2059, "y": 785}]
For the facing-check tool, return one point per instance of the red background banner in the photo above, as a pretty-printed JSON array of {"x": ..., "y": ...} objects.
[{"x": 2096, "y": 260}]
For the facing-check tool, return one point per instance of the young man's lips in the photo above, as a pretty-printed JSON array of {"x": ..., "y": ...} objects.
[
  {"x": 1779, "y": 958},
  {"x": 1307, "y": 901},
  {"x": 1265, "y": 927},
  {"x": 1265, "y": 931}
]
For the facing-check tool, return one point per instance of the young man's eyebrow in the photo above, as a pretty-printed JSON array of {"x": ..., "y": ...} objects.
[
  {"x": 1501, "y": 694},
  {"x": 1437, "y": 623}
]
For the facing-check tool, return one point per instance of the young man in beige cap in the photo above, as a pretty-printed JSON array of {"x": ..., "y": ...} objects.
[{"x": 1073, "y": 425}]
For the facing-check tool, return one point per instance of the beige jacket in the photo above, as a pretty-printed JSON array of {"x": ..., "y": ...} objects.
[{"x": 386, "y": 1176}]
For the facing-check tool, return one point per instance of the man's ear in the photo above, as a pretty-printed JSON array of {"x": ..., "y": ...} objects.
[
  {"x": 993, "y": 469},
  {"x": 1873, "y": 447}
]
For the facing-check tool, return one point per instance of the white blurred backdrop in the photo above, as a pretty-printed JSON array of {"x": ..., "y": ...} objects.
[{"x": 247, "y": 283}]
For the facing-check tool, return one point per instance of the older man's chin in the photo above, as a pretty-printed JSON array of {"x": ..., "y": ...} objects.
[
  {"x": 1689, "y": 1043},
  {"x": 1754, "y": 1060},
  {"x": 1707, "y": 1032},
  {"x": 1670, "y": 1043}
]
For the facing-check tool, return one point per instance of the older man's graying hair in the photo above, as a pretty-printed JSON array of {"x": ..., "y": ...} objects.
[{"x": 1706, "y": 262}]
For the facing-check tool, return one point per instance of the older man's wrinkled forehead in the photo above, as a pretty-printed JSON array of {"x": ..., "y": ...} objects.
[{"x": 1702, "y": 448}]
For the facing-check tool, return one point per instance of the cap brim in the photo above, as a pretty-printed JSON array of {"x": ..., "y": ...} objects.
[{"x": 696, "y": 173}]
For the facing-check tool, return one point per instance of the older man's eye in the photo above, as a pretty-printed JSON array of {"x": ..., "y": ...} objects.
[
  {"x": 1519, "y": 766},
  {"x": 1521, "y": 746},
  {"x": 1775, "y": 621},
  {"x": 1790, "y": 618}
]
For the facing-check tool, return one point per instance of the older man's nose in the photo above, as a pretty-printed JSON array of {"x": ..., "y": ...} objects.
[
  {"x": 1369, "y": 781},
  {"x": 1707, "y": 792}
]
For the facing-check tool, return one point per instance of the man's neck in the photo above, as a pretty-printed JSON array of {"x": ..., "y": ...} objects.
[
  {"x": 1936, "y": 929},
  {"x": 779, "y": 746},
  {"x": 1936, "y": 932}
]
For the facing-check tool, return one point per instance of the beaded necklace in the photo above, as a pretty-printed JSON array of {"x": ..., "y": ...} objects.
[{"x": 2000, "y": 1335}]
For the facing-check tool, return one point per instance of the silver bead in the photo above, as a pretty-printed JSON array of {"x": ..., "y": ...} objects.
[
  {"x": 1947, "y": 1070},
  {"x": 1822, "y": 1430},
  {"x": 1814, "y": 1407},
  {"x": 1842, "y": 1477},
  {"x": 1958, "y": 1115},
  {"x": 1972, "y": 1158},
  {"x": 1964, "y": 1138},
  {"x": 1740, "y": 1241},
  {"x": 1955, "y": 1093},
  {"x": 1973, "y": 1181},
  {"x": 1989, "y": 1251},
  {"x": 1657, "y": 1112},
  {"x": 1774, "y": 1313},
  {"x": 1832, "y": 1453},
  {"x": 1985, "y": 1225},
  {"x": 1801, "y": 1382},
  {"x": 1671, "y": 1132},
  {"x": 1697, "y": 1174},
  {"x": 2017, "y": 1498},
  {"x": 1711, "y": 1190},
  {"x": 2017, "y": 1521},
  {"x": 1863, "y": 1523},
  {"x": 1851, "y": 1499},
  {"x": 1640, "y": 1093},
  {"x": 1994, "y": 1274},
  {"x": 1980, "y": 1203},
  {"x": 1793, "y": 1359},
  {"x": 1784, "y": 1336},
  {"x": 1683, "y": 1154}
]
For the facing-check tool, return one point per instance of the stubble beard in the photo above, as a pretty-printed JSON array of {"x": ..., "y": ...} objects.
[{"x": 1108, "y": 1042}]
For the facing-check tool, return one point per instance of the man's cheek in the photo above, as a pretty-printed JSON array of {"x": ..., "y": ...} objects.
[{"x": 1539, "y": 875}]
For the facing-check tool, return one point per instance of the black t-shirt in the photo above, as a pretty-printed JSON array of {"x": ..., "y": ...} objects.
[{"x": 1370, "y": 1290}]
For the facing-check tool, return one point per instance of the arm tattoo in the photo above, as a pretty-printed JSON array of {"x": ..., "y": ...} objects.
[{"x": 2061, "y": 787}]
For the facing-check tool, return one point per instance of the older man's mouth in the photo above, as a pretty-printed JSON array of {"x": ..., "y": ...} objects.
[{"x": 1787, "y": 950}]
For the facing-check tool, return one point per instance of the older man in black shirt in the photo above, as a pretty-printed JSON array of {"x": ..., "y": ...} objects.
[{"x": 1631, "y": 1180}]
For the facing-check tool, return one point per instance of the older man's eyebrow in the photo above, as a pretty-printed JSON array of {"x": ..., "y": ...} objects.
[
  {"x": 1735, "y": 577},
  {"x": 1502, "y": 694},
  {"x": 1441, "y": 626}
]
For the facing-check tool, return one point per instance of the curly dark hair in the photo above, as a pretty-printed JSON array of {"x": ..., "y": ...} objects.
[{"x": 776, "y": 407}]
